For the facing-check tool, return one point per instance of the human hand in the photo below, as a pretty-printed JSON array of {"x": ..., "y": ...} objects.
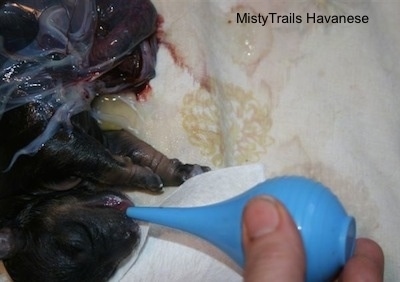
[{"x": 274, "y": 250}]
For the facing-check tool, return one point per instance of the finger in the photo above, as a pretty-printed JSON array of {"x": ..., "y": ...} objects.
[
  {"x": 367, "y": 263},
  {"x": 272, "y": 244}
]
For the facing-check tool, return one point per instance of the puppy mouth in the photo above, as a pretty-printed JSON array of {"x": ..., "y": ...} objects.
[
  {"x": 117, "y": 202},
  {"x": 113, "y": 201}
]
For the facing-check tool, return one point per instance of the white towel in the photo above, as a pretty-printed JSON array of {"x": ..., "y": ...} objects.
[{"x": 171, "y": 255}]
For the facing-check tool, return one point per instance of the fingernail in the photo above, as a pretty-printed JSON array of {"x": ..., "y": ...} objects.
[{"x": 264, "y": 217}]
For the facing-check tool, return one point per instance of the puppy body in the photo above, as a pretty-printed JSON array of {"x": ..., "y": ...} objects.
[
  {"x": 55, "y": 219},
  {"x": 57, "y": 223}
]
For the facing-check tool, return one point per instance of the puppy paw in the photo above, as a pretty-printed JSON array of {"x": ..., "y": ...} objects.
[
  {"x": 135, "y": 176},
  {"x": 181, "y": 172},
  {"x": 186, "y": 171},
  {"x": 145, "y": 178}
]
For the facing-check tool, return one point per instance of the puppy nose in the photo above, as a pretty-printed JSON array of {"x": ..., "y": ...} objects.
[
  {"x": 128, "y": 234},
  {"x": 129, "y": 231}
]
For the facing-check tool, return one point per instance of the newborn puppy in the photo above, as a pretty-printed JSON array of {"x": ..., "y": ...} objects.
[
  {"x": 56, "y": 222},
  {"x": 75, "y": 235},
  {"x": 48, "y": 80}
]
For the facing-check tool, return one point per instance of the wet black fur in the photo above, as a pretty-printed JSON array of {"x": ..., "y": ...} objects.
[{"x": 64, "y": 236}]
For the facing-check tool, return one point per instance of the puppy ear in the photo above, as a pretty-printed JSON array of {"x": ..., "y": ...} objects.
[{"x": 10, "y": 242}]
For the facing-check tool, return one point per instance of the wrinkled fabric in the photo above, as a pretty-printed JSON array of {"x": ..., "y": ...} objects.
[{"x": 319, "y": 100}]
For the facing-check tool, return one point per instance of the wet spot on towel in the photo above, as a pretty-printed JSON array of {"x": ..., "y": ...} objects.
[
  {"x": 246, "y": 43},
  {"x": 227, "y": 123},
  {"x": 202, "y": 46},
  {"x": 333, "y": 7}
]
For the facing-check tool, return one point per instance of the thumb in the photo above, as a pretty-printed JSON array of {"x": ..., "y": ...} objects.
[{"x": 272, "y": 245}]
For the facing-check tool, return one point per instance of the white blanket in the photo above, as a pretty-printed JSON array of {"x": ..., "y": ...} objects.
[{"x": 320, "y": 100}]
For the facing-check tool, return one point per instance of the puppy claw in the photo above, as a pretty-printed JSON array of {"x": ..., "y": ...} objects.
[
  {"x": 181, "y": 172},
  {"x": 193, "y": 170},
  {"x": 144, "y": 177}
]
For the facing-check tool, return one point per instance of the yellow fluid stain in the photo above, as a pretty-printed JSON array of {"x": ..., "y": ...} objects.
[
  {"x": 247, "y": 43},
  {"x": 228, "y": 124}
]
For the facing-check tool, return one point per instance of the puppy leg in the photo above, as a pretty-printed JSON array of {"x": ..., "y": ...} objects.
[
  {"x": 78, "y": 155},
  {"x": 172, "y": 171}
]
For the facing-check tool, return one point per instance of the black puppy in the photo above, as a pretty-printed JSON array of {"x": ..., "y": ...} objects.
[
  {"x": 79, "y": 232},
  {"x": 51, "y": 223},
  {"x": 76, "y": 235},
  {"x": 56, "y": 221},
  {"x": 50, "y": 75}
]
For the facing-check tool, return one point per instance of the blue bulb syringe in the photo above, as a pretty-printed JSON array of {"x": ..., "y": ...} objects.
[{"x": 328, "y": 233}]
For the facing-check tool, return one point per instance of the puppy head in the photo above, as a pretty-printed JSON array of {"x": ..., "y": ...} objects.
[{"x": 76, "y": 235}]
